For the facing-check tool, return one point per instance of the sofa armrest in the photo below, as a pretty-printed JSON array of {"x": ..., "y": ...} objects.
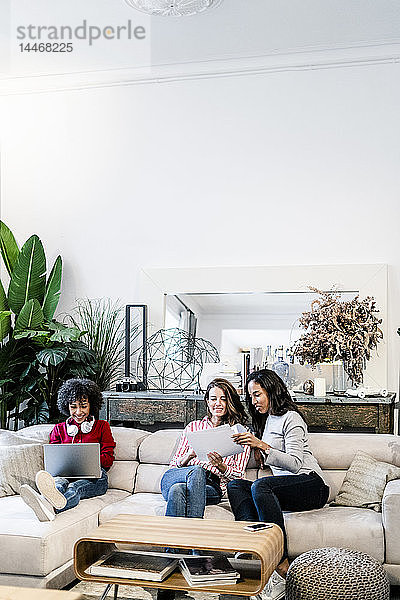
[{"x": 391, "y": 520}]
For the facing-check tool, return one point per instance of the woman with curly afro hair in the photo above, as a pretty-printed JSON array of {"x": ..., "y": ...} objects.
[{"x": 80, "y": 400}]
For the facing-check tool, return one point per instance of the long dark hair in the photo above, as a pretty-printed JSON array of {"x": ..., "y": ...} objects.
[
  {"x": 235, "y": 411},
  {"x": 279, "y": 398}
]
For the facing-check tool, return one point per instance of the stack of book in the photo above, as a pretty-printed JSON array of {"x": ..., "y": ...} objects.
[
  {"x": 200, "y": 571},
  {"x": 151, "y": 566}
]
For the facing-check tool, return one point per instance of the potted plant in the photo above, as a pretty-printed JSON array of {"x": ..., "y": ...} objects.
[
  {"x": 339, "y": 329},
  {"x": 102, "y": 322},
  {"x": 36, "y": 351}
]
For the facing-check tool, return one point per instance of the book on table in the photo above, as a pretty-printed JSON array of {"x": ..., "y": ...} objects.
[
  {"x": 208, "y": 570},
  {"x": 151, "y": 566}
]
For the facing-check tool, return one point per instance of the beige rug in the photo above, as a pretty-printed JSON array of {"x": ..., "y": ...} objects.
[{"x": 92, "y": 591}]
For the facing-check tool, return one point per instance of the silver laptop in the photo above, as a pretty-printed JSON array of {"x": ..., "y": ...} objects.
[{"x": 74, "y": 461}]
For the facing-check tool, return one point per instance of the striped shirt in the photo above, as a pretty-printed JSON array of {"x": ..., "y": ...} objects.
[{"x": 235, "y": 464}]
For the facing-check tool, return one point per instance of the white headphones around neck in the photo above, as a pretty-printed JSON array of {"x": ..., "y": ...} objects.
[{"x": 86, "y": 426}]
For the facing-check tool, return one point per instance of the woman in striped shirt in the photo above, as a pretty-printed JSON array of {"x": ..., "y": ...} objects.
[{"x": 190, "y": 484}]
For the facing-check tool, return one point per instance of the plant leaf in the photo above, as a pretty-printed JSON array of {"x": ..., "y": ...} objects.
[
  {"x": 5, "y": 315},
  {"x": 31, "y": 333},
  {"x": 30, "y": 316},
  {"x": 8, "y": 247},
  {"x": 28, "y": 277},
  {"x": 53, "y": 290},
  {"x": 3, "y": 298},
  {"x": 103, "y": 327},
  {"x": 52, "y": 356},
  {"x": 62, "y": 333},
  {"x": 35, "y": 413},
  {"x": 5, "y": 324},
  {"x": 69, "y": 334}
]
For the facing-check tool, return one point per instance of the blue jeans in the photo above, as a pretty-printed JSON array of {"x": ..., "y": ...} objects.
[
  {"x": 188, "y": 490},
  {"x": 266, "y": 498},
  {"x": 79, "y": 489}
]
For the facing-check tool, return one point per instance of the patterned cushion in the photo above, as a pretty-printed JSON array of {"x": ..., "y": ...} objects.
[
  {"x": 18, "y": 465},
  {"x": 365, "y": 481}
]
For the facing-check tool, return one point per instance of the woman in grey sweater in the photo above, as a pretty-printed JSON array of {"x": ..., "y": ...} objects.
[{"x": 280, "y": 441}]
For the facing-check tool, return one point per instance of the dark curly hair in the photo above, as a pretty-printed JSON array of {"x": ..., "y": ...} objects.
[
  {"x": 74, "y": 390},
  {"x": 280, "y": 401},
  {"x": 235, "y": 412}
]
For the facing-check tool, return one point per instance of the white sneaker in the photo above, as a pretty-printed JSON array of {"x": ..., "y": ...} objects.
[
  {"x": 47, "y": 487},
  {"x": 42, "y": 509},
  {"x": 275, "y": 588}
]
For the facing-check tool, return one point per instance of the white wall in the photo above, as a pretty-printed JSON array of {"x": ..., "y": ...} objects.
[{"x": 284, "y": 168}]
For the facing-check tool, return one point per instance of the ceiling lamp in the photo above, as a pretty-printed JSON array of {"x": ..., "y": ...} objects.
[{"x": 173, "y": 8}]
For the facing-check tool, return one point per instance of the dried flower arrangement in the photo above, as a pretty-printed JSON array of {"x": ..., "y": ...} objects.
[{"x": 336, "y": 328}]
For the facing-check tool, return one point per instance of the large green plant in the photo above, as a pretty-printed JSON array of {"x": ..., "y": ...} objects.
[
  {"x": 103, "y": 324},
  {"x": 36, "y": 351}
]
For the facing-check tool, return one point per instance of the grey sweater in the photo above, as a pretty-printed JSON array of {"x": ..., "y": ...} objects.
[{"x": 290, "y": 453}]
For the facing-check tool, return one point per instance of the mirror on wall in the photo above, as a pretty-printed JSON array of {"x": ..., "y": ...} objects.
[
  {"x": 263, "y": 325},
  {"x": 259, "y": 306}
]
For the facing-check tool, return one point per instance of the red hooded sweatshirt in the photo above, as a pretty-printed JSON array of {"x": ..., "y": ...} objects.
[{"x": 100, "y": 434}]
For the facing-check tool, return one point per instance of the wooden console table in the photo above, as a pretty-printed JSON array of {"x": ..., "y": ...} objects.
[
  {"x": 180, "y": 532},
  {"x": 348, "y": 414},
  {"x": 154, "y": 410}
]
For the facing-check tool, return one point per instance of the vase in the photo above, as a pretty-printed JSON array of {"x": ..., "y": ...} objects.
[
  {"x": 281, "y": 367},
  {"x": 339, "y": 376}
]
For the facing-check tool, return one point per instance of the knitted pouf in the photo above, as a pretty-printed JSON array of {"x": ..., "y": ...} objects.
[{"x": 336, "y": 574}]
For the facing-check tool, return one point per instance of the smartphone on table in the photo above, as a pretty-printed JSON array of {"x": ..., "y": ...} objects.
[{"x": 258, "y": 526}]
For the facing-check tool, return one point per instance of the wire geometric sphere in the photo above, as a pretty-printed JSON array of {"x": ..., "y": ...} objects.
[{"x": 175, "y": 359}]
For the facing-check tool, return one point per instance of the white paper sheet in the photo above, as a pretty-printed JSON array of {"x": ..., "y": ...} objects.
[{"x": 219, "y": 439}]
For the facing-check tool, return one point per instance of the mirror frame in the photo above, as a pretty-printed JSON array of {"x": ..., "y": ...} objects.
[{"x": 368, "y": 279}]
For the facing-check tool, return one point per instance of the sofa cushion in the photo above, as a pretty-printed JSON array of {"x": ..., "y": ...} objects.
[
  {"x": 390, "y": 520},
  {"x": 334, "y": 479},
  {"x": 9, "y": 438},
  {"x": 221, "y": 511},
  {"x": 158, "y": 448},
  {"x": 154, "y": 504},
  {"x": 136, "y": 504},
  {"x": 121, "y": 475},
  {"x": 128, "y": 441},
  {"x": 40, "y": 433},
  {"x": 35, "y": 548},
  {"x": 337, "y": 450},
  {"x": 342, "y": 527},
  {"x": 365, "y": 482},
  {"x": 19, "y": 465},
  {"x": 148, "y": 478}
]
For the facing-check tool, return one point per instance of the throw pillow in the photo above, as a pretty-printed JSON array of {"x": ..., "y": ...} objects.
[
  {"x": 19, "y": 465},
  {"x": 365, "y": 481}
]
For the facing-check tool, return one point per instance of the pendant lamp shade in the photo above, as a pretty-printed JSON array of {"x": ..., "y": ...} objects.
[{"x": 172, "y": 8}]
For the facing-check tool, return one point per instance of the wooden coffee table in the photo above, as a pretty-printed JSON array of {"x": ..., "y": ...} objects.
[
  {"x": 178, "y": 532},
  {"x": 8, "y": 592}
]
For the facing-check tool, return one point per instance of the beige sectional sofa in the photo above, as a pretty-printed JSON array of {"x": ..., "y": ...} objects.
[{"x": 40, "y": 554}]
